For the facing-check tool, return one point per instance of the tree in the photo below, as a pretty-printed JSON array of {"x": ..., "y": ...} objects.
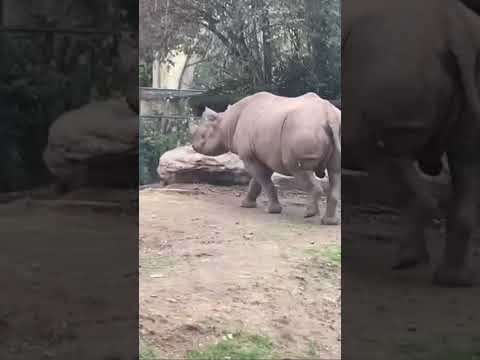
[
  {"x": 288, "y": 47},
  {"x": 45, "y": 75},
  {"x": 278, "y": 45}
]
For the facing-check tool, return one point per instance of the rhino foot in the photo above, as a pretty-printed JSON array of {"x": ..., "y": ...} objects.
[
  {"x": 330, "y": 220},
  {"x": 274, "y": 208},
  {"x": 311, "y": 211},
  {"x": 59, "y": 188},
  {"x": 453, "y": 276},
  {"x": 410, "y": 257},
  {"x": 247, "y": 203}
]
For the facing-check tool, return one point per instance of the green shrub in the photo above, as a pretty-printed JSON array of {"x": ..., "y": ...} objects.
[{"x": 153, "y": 143}]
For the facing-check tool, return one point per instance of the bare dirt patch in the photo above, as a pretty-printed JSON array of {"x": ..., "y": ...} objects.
[
  {"x": 58, "y": 306},
  {"x": 399, "y": 314},
  {"x": 209, "y": 267}
]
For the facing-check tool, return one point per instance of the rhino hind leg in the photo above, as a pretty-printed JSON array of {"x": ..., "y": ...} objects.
[
  {"x": 416, "y": 209},
  {"x": 254, "y": 190},
  {"x": 334, "y": 191},
  {"x": 417, "y": 214},
  {"x": 263, "y": 176},
  {"x": 412, "y": 250},
  {"x": 60, "y": 188},
  {"x": 454, "y": 270},
  {"x": 310, "y": 185}
]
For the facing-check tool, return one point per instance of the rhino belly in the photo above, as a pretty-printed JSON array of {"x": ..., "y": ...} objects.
[
  {"x": 264, "y": 146},
  {"x": 308, "y": 155}
]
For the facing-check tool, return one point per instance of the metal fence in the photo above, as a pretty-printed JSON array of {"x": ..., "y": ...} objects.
[
  {"x": 55, "y": 30},
  {"x": 149, "y": 93},
  {"x": 166, "y": 124},
  {"x": 55, "y": 43}
]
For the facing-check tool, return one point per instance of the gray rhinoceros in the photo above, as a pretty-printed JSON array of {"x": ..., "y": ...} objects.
[
  {"x": 410, "y": 87},
  {"x": 296, "y": 137}
]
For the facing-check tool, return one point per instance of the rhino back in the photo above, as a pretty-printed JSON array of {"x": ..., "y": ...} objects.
[
  {"x": 406, "y": 91},
  {"x": 307, "y": 133},
  {"x": 259, "y": 126},
  {"x": 262, "y": 131}
]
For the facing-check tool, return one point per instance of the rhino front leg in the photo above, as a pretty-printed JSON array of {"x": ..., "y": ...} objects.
[
  {"x": 310, "y": 185},
  {"x": 454, "y": 269},
  {"x": 254, "y": 190},
  {"x": 263, "y": 176}
]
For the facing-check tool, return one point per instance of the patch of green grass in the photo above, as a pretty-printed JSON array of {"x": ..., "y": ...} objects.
[
  {"x": 414, "y": 351},
  {"x": 332, "y": 253},
  {"x": 438, "y": 350},
  {"x": 155, "y": 263},
  {"x": 312, "y": 350},
  {"x": 148, "y": 351},
  {"x": 238, "y": 346}
]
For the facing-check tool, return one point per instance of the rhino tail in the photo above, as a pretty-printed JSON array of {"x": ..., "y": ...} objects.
[{"x": 334, "y": 127}]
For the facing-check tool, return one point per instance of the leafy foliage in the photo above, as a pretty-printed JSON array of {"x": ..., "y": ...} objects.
[
  {"x": 145, "y": 74},
  {"x": 155, "y": 138},
  {"x": 45, "y": 75},
  {"x": 288, "y": 47},
  {"x": 31, "y": 96}
]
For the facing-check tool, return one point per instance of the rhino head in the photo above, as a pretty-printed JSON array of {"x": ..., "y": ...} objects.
[{"x": 207, "y": 137}]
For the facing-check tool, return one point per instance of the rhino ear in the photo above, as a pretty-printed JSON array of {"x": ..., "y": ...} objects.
[{"x": 209, "y": 114}]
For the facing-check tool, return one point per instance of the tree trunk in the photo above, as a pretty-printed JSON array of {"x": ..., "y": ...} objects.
[
  {"x": 182, "y": 73},
  {"x": 267, "y": 45},
  {"x": 313, "y": 8}
]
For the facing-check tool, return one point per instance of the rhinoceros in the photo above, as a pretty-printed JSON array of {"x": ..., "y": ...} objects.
[
  {"x": 296, "y": 137},
  {"x": 410, "y": 86}
]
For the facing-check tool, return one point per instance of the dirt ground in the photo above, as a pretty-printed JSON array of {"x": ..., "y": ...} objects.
[
  {"x": 208, "y": 266},
  {"x": 58, "y": 306},
  {"x": 399, "y": 314}
]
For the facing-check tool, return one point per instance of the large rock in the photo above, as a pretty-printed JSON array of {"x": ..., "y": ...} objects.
[
  {"x": 283, "y": 182},
  {"x": 184, "y": 165},
  {"x": 95, "y": 145}
]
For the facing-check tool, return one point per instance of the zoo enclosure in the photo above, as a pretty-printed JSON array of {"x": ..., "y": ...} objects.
[
  {"x": 165, "y": 117},
  {"x": 43, "y": 78},
  {"x": 69, "y": 50},
  {"x": 166, "y": 111}
]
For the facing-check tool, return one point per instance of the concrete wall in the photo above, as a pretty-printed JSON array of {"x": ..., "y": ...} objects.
[
  {"x": 163, "y": 106},
  {"x": 175, "y": 73}
]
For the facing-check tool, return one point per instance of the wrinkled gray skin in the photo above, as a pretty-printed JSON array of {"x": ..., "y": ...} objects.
[
  {"x": 296, "y": 137},
  {"x": 410, "y": 76}
]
